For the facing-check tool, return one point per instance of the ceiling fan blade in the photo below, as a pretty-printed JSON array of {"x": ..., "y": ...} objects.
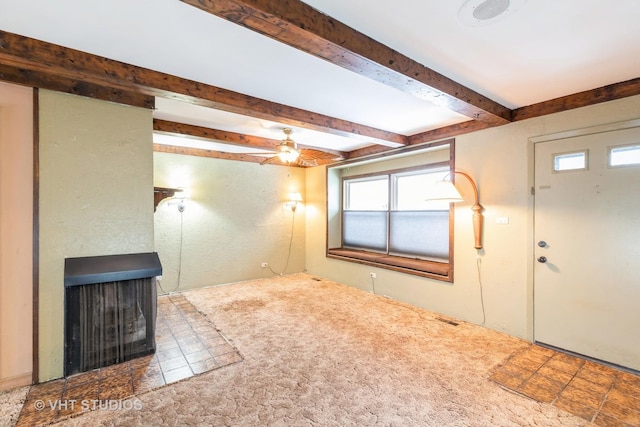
[
  {"x": 270, "y": 160},
  {"x": 304, "y": 157},
  {"x": 306, "y": 162},
  {"x": 311, "y": 153},
  {"x": 262, "y": 153}
]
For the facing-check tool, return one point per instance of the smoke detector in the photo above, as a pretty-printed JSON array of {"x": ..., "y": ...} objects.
[{"x": 477, "y": 13}]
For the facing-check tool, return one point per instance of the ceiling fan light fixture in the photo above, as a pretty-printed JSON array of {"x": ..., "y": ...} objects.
[
  {"x": 288, "y": 150},
  {"x": 476, "y": 13},
  {"x": 289, "y": 155}
]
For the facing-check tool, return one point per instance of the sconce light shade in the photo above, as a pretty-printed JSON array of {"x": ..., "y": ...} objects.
[
  {"x": 446, "y": 191},
  {"x": 295, "y": 197},
  {"x": 293, "y": 200},
  {"x": 180, "y": 194}
]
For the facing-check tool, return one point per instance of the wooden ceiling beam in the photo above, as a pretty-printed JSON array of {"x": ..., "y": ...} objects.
[
  {"x": 216, "y": 135},
  {"x": 582, "y": 99},
  {"x": 45, "y": 80},
  {"x": 299, "y": 25},
  {"x": 228, "y": 137},
  {"x": 200, "y": 152},
  {"x": 445, "y": 132},
  {"x": 36, "y": 56}
]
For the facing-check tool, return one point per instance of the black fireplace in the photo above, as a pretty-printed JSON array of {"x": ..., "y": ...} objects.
[{"x": 110, "y": 309}]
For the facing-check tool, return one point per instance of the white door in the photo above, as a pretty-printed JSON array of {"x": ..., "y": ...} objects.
[{"x": 587, "y": 234}]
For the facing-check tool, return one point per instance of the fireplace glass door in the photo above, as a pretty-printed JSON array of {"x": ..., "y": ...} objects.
[{"x": 108, "y": 323}]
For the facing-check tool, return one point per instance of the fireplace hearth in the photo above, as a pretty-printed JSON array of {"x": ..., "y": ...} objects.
[{"x": 110, "y": 309}]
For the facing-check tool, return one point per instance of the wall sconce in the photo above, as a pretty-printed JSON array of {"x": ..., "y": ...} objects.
[
  {"x": 293, "y": 200},
  {"x": 447, "y": 192},
  {"x": 178, "y": 198}
]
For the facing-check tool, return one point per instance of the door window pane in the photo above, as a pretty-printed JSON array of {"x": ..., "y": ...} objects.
[
  {"x": 627, "y": 155},
  {"x": 570, "y": 161}
]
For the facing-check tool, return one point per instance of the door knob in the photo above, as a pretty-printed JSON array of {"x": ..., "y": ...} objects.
[
  {"x": 542, "y": 244},
  {"x": 542, "y": 259}
]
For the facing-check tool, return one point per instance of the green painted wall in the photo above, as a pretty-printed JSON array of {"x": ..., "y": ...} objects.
[
  {"x": 96, "y": 197},
  {"x": 234, "y": 220}
]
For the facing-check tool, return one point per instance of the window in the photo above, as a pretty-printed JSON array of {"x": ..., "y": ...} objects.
[
  {"x": 388, "y": 214},
  {"x": 365, "y": 218},
  {"x": 419, "y": 228},
  {"x": 385, "y": 220}
]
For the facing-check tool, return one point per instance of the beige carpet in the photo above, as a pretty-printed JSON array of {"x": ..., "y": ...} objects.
[
  {"x": 10, "y": 405},
  {"x": 317, "y": 353}
]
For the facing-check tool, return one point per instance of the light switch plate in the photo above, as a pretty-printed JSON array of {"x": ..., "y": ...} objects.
[{"x": 502, "y": 220}]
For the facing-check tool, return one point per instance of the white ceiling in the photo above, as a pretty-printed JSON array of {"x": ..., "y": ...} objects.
[{"x": 544, "y": 50}]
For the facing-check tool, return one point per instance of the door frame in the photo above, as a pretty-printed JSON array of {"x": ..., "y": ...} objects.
[{"x": 591, "y": 130}]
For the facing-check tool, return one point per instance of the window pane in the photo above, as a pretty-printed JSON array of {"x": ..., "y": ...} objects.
[
  {"x": 570, "y": 161},
  {"x": 367, "y": 194},
  {"x": 412, "y": 191},
  {"x": 365, "y": 230},
  {"x": 624, "y": 156},
  {"x": 423, "y": 234}
]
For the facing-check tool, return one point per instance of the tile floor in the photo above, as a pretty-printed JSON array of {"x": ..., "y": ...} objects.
[
  {"x": 187, "y": 344},
  {"x": 594, "y": 392}
]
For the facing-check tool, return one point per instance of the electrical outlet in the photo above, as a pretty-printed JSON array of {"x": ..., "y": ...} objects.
[
  {"x": 264, "y": 265},
  {"x": 373, "y": 275}
]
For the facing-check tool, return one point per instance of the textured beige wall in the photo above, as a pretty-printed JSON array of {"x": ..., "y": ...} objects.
[
  {"x": 500, "y": 160},
  {"x": 234, "y": 220},
  {"x": 16, "y": 225},
  {"x": 96, "y": 197}
]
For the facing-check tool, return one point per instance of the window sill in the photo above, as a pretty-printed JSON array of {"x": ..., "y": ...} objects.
[{"x": 417, "y": 267}]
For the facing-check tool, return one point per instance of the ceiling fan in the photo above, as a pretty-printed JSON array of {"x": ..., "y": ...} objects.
[{"x": 289, "y": 153}]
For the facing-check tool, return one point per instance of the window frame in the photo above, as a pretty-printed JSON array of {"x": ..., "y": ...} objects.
[{"x": 442, "y": 271}]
